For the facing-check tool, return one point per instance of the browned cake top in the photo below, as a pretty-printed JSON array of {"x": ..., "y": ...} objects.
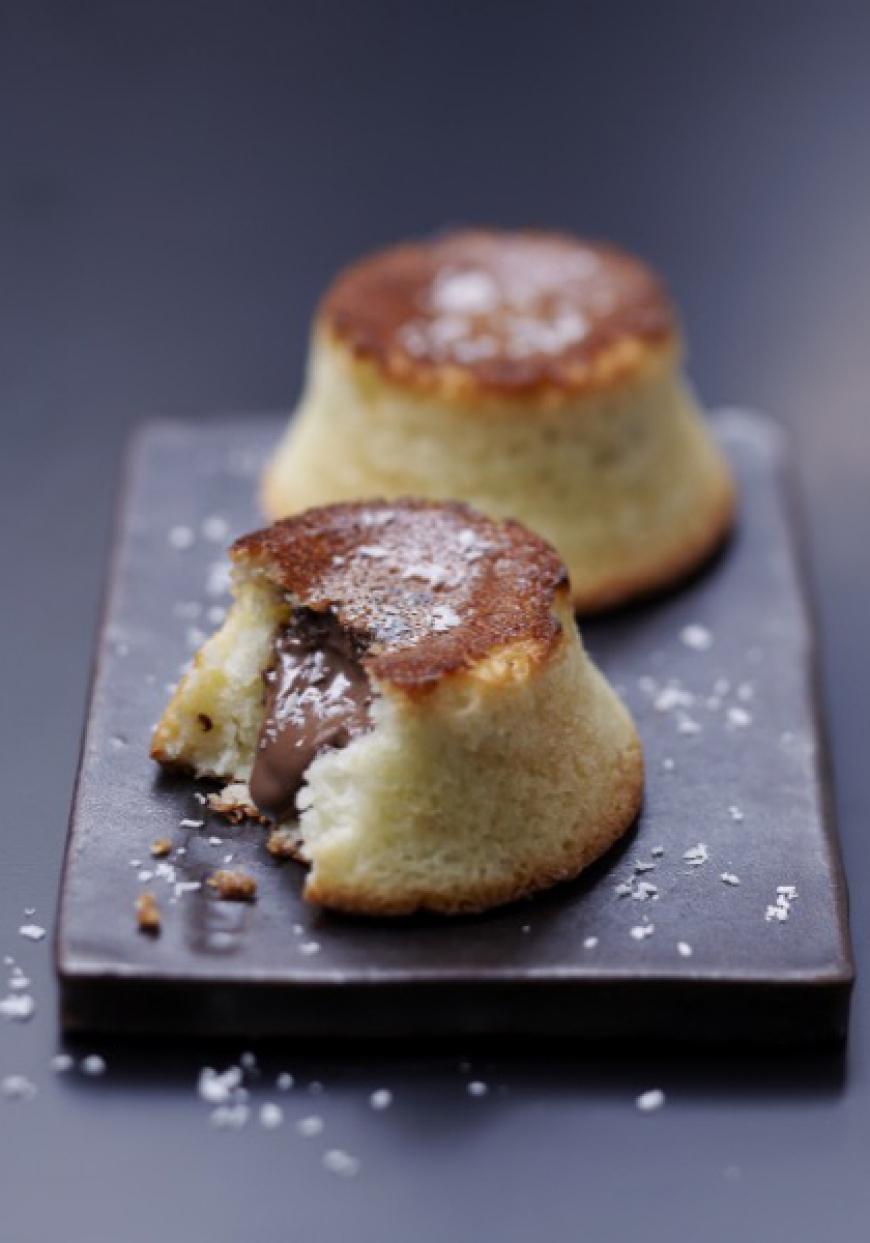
[
  {"x": 426, "y": 588},
  {"x": 507, "y": 312}
]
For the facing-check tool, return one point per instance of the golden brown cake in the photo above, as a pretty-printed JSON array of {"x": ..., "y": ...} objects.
[
  {"x": 401, "y": 691},
  {"x": 533, "y": 375}
]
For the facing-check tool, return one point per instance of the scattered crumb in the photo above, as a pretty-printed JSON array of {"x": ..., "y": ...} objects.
[
  {"x": 735, "y": 813},
  {"x": 641, "y": 931},
  {"x": 217, "y": 1087},
  {"x": 381, "y": 1099},
  {"x": 642, "y": 865},
  {"x": 668, "y": 764},
  {"x": 31, "y": 932},
  {"x": 233, "y": 885},
  {"x": 686, "y": 725},
  {"x": 477, "y": 1088},
  {"x": 161, "y": 847},
  {"x": 284, "y": 1081},
  {"x": 698, "y": 638},
  {"x": 673, "y": 697},
  {"x": 61, "y": 1063},
  {"x": 315, "y": 1087},
  {"x": 684, "y": 949},
  {"x": 309, "y": 947},
  {"x": 271, "y": 1115},
  {"x": 18, "y": 1088},
  {"x": 643, "y": 890},
  {"x": 192, "y": 824},
  {"x": 657, "y": 852},
  {"x": 18, "y": 1006},
  {"x": 337, "y": 1161},
  {"x": 234, "y": 802},
  {"x": 310, "y": 1126},
  {"x": 590, "y": 943},
  {"x": 181, "y": 537},
  {"x": 283, "y": 843},
  {"x": 648, "y": 1102},
  {"x": 738, "y": 718},
  {"x": 230, "y": 1117},
  {"x": 186, "y": 886},
  {"x": 696, "y": 855},
  {"x": 780, "y": 910},
  {"x": 93, "y": 1065},
  {"x": 215, "y": 528},
  {"x": 729, "y": 878},
  {"x": 147, "y": 913}
]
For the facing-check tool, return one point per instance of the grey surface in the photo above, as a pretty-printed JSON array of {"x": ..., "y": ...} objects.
[
  {"x": 177, "y": 182},
  {"x": 733, "y": 757}
]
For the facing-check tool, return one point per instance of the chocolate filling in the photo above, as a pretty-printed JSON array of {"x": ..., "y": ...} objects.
[{"x": 317, "y": 696}]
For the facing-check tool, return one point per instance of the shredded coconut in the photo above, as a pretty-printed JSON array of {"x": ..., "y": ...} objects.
[
  {"x": 650, "y": 1100},
  {"x": 698, "y": 638}
]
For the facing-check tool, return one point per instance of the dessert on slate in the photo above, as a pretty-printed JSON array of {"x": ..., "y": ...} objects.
[
  {"x": 401, "y": 691},
  {"x": 534, "y": 375}
]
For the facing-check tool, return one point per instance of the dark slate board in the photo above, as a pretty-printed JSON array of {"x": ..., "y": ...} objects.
[{"x": 755, "y": 745}]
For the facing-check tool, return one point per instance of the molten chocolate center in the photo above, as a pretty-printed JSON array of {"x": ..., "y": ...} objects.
[{"x": 317, "y": 696}]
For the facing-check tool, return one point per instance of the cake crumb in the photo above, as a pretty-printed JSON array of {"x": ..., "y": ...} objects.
[
  {"x": 147, "y": 913},
  {"x": 729, "y": 878},
  {"x": 31, "y": 932},
  {"x": 589, "y": 943},
  {"x": 308, "y": 1127},
  {"x": 233, "y": 885},
  {"x": 684, "y": 949},
  {"x": 381, "y": 1099},
  {"x": 161, "y": 847},
  {"x": 477, "y": 1088},
  {"x": 234, "y": 803},
  {"x": 93, "y": 1065}
]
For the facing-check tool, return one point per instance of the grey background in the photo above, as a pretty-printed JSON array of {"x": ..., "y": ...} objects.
[{"x": 177, "y": 182}]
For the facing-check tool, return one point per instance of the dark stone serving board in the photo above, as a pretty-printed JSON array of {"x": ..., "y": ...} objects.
[{"x": 735, "y": 760}]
